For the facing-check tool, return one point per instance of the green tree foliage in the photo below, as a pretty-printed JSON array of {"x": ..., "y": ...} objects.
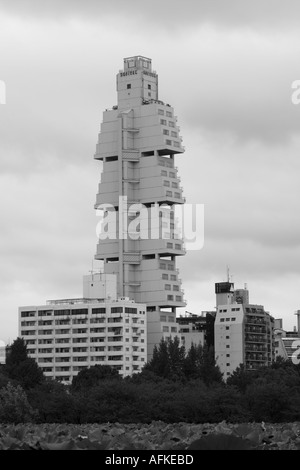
[
  {"x": 93, "y": 376},
  {"x": 21, "y": 368},
  {"x": 240, "y": 378},
  {"x": 54, "y": 403},
  {"x": 14, "y": 405},
  {"x": 170, "y": 361}
]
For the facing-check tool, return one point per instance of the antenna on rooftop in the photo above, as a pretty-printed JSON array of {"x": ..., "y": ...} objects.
[{"x": 228, "y": 274}]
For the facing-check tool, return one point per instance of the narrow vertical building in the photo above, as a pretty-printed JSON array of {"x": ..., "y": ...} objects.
[
  {"x": 244, "y": 333},
  {"x": 138, "y": 192}
]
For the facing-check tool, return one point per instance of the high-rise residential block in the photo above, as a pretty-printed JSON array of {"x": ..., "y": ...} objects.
[
  {"x": 68, "y": 335},
  {"x": 244, "y": 333}
]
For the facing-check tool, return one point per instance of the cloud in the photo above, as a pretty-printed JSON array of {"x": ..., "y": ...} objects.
[{"x": 175, "y": 14}]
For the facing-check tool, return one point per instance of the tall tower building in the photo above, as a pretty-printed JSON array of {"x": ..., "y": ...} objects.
[{"x": 138, "y": 192}]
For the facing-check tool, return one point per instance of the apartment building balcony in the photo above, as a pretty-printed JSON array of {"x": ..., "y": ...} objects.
[
  {"x": 255, "y": 330},
  {"x": 258, "y": 338}
]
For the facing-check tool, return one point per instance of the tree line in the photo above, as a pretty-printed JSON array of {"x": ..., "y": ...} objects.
[{"x": 175, "y": 386}]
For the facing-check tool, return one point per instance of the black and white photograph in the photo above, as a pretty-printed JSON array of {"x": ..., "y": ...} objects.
[{"x": 150, "y": 229}]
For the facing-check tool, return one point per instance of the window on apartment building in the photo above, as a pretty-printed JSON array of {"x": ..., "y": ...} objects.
[
  {"x": 166, "y": 132},
  {"x": 130, "y": 310},
  {"x": 165, "y": 329},
  {"x": 164, "y": 173},
  {"x": 227, "y": 319},
  {"x": 167, "y": 286},
  {"x": 117, "y": 310},
  {"x": 227, "y": 364},
  {"x": 168, "y": 113},
  {"x": 227, "y": 327},
  {"x": 227, "y": 345},
  {"x": 227, "y": 355},
  {"x": 233, "y": 319},
  {"x": 80, "y": 311},
  {"x": 99, "y": 310},
  {"x": 163, "y": 122},
  {"x": 227, "y": 337},
  {"x": 222, "y": 319},
  {"x": 128, "y": 86},
  {"x": 149, "y": 86},
  {"x": 161, "y": 111},
  {"x": 171, "y": 124}
]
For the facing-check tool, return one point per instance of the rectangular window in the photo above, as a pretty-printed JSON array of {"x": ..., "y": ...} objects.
[
  {"x": 165, "y": 132},
  {"x": 161, "y": 111},
  {"x": 168, "y": 114},
  {"x": 167, "y": 286},
  {"x": 165, "y": 276},
  {"x": 80, "y": 311},
  {"x": 169, "y": 142},
  {"x": 227, "y": 346},
  {"x": 117, "y": 310},
  {"x": 233, "y": 319},
  {"x": 99, "y": 310},
  {"x": 222, "y": 319},
  {"x": 163, "y": 122},
  {"x": 149, "y": 87},
  {"x": 130, "y": 310},
  {"x": 171, "y": 124},
  {"x": 128, "y": 86}
]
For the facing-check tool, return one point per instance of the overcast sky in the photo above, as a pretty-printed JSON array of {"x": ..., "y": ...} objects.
[{"x": 227, "y": 68}]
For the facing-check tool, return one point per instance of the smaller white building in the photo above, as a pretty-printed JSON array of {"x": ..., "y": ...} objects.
[
  {"x": 68, "y": 335},
  {"x": 2, "y": 352}
]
